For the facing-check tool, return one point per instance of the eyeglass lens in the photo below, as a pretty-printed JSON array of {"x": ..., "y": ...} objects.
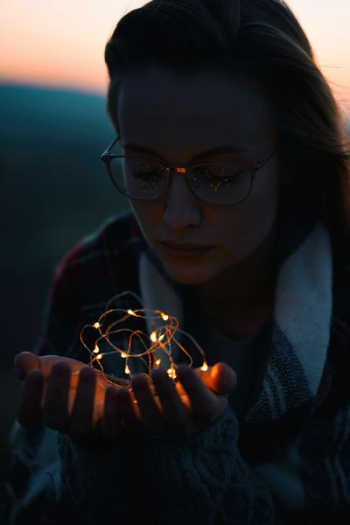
[{"x": 216, "y": 181}]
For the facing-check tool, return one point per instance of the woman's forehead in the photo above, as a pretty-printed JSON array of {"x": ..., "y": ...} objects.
[
  {"x": 160, "y": 101},
  {"x": 203, "y": 91}
]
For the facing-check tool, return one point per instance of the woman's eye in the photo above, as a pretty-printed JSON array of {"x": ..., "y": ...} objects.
[
  {"x": 145, "y": 172},
  {"x": 224, "y": 173}
]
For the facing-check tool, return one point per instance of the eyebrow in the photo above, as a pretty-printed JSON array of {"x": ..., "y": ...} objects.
[{"x": 209, "y": 153}]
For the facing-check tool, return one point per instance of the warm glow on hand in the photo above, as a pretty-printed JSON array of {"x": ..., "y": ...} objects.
[
  {"x": 58, "y": 390},
  {"x": 184, "y": 408},
  {"x": 78, "y": 399},
  {"x": 71, "y": 397}
]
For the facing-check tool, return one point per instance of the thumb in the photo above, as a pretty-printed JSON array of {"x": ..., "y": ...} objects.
[
  {"x": 220, "y": 378},
  {"x": 25, "y": 362}
]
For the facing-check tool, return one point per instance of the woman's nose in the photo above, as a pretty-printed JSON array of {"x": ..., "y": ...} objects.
[{"x": 182, "y": 206}]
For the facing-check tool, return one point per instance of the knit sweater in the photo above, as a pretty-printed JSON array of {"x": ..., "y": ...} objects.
[{"x": 285, "y": 455}]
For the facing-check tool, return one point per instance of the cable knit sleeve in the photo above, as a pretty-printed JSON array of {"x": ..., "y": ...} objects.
[
  {"x": 103, "y": 486},
  {"x": 204, "y": 480},
  {"x": 35, "y": 481}
]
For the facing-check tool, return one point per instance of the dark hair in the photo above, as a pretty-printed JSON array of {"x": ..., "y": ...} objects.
[{"x": 263, "y": 40}]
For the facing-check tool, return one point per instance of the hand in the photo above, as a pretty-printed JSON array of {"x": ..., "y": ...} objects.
[
  {"x": 69, "y": 396},
  {"x": 65, "y": 395},
  {"x": 182, "y": 409}
]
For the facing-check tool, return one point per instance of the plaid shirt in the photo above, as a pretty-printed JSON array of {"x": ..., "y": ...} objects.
[{"x": 105, "y": 264}]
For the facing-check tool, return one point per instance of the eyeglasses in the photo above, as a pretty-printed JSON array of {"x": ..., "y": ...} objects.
[{"x": 216, "y": 182}]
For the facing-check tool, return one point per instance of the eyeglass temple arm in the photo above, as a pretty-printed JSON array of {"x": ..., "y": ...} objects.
[
  {"x": 108, "y": 149},
  {"x": 262, "y": 162}
]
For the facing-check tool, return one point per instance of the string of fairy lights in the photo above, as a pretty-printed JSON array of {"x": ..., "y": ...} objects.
[{"x": 155, "y": 346}]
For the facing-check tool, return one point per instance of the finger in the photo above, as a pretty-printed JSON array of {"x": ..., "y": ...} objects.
[
  {"x": 126, "y": 410},
  {"x": 110, "y": 425},
  {"x": 173, "y": 409},
  {"x": 29, "y": 410},
  {"x": 55, "y": 407},
  {"x": 151, "y": 417},
  {"x": 81, "y": 419},
  {"x": 220, "y": 378},
  {"x": 25, "y": 362},
  {"x": 204, "y": 403}
]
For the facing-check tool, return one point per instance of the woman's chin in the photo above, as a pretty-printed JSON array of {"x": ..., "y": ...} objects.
[
  {"x": 187, "y": 268},
  {"x": 185, "y": 275}
]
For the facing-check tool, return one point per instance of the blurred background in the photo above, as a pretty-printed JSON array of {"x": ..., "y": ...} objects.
[{"x": 53, "y": 129}]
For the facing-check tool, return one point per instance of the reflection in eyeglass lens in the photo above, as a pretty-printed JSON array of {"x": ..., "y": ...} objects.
[{"x": 217, "y": 181}]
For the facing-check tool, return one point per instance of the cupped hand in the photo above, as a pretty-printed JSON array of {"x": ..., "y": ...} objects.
[
  {"x": 69, "y": 396},
  {"x": 182, "y": 409}
]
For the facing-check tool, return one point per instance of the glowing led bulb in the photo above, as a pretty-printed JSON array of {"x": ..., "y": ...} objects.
[
  {"x": 165, "y": 317},
  {"x": 131, "y": 312},
  {"x": 204, "y": 367},
  {"x": 123, "y": 354},
  {"x": 96, "y": 325},
  {"x": 171, "y": 373},
  {"x": 154, "y": 338},
  {"x": 96, "y": 349},
  {"x": 99, "y": 356},
  {"x": 158, "y": 362},
  {"x": 127, "y": 369}
]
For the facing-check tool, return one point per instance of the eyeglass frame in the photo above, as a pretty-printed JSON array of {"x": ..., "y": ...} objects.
[{"x": 107, "y": 157}]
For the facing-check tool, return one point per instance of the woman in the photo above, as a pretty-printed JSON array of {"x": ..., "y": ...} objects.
[{"x": 227, "y": 94}]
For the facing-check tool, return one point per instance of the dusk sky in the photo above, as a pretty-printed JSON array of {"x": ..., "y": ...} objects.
[{"x": 62, "y": 42}]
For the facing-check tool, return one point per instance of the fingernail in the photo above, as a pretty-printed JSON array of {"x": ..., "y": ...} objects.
[
  {"x": 144, "y": 376},
  {"x": 87, "y": 372}
]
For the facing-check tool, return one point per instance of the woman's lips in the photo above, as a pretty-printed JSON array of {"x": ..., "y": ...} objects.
[{"x": 185, "y": 253}]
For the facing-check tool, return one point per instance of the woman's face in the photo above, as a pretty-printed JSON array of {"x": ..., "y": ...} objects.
[{"x": 180, "y": 118}]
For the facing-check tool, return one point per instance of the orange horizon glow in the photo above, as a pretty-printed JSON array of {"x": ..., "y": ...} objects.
[{"x": 63, "y": 45}]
